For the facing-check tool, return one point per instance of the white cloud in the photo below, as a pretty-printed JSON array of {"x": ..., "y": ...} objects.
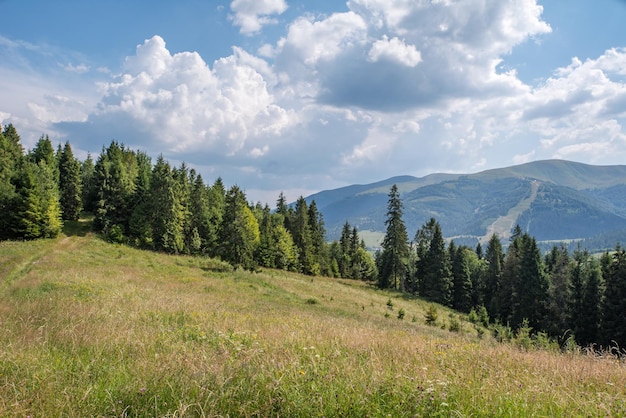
[
  {"x": 178, "y": 104},
  {"x": 79, "y": 69},
  {"x": 395, "y": 50},
  {"x": 388, "y": 87},
  {"x": 252, "y": 15}
]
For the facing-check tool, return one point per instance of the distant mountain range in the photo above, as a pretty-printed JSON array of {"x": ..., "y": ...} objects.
[{"x": 553, "y": 200}]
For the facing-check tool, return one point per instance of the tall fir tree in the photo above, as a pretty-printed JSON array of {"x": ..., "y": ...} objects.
[
  {"x": 494, "y": 256},
  {"x": 167, "y": 212},
  {"x": 614, "y": 302},
  {"x": 239, "y": 233},
  {"x": 70, "y": 184},
  {"x": 435, "y": 282},
  {"x": 559, "y": 271},
  {"x": 461, "y": 277},
  {"x": 394, "y": 257}
]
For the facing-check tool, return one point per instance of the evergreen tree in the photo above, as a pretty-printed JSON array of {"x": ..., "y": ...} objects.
[
  {"x": 395, "y": 247},
  {"x": 614, "y": 302},
  {"x": 318, "y": 239},
  {"x": 345, "y": 258},
  {"x": 166, "y": 209},
  {"x": 70, "y": 186},
  {"x": 115, "y": 172},
  {"x": 584, "y": 304},
  {"x": 301, "y": 233},
  {"x": 530, "y": 287},
  {"x": 494, "y": 257},
  {"x": 575, "y": 310},
  {"x": 44, "y": 151},
  {"x": 559, "y": 270},
  {"x": 462, "y": 279},
  {"x": 506, "y": 299},
  {"x": 239, "y": 233},
  {"x": 436, "y": 277},
  {"x": 11, "y": 154},
  {"x": 88, "y": 184},
  {"x": 217, "y": 198},
  {"x": 200, "y": 213}
]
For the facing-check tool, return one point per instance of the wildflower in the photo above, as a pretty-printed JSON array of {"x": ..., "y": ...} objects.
[{"x": 301, "y": 372}]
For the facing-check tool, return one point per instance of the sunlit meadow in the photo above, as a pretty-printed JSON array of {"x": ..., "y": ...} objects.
[{"x": 94, "y": 329}]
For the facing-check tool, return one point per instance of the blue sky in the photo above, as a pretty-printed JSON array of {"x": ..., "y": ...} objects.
[{"x": 302, "y": 96}]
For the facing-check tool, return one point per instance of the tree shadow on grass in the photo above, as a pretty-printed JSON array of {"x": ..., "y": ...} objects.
[{"x": 79, "y": 228}]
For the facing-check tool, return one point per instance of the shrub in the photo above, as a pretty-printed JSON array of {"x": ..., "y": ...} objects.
[
  {"x": 431, "y": 315},
  {"x": 401, "y": 314}
]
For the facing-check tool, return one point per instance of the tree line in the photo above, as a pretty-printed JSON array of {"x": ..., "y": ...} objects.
[
  {"x": 564, "y": 295},
  {"x": 163, "y": 208}
]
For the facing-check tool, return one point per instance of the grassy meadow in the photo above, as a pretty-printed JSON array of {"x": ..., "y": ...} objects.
[{"x": 94, "y": 329}]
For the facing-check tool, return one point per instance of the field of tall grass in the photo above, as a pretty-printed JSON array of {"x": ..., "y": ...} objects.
[{"x": 89, "y": 328}]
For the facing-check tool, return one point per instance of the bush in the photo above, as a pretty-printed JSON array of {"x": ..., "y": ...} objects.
[
  {"x": 431, "y": 315},
  {"x": 401, "y": 314},
  {"x": 455, "y": 325}
]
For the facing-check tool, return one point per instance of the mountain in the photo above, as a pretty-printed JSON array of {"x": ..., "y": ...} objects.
[{"x": 553, "y": 200}]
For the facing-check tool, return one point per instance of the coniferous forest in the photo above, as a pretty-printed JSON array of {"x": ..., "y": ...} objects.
[{"x": 575, "y": 297}]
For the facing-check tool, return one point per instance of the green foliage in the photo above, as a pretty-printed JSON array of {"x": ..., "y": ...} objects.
[
  {"x": 393, "y": 260},
  {"x": 614, "y": 302},
  {"x": 401, "y": 314},
  {"x": 434, "y": 273},
  {"x": 455, "y": 324},
  {"x": 431, "y": 315},
  {"x": 70, "y": 184},
  {"x": 239, "y": 233}
]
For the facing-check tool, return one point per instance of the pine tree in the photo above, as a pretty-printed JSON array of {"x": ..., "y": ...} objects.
[
  {"x": 395, "y": 246},
  {"x": 530, "y": 287},
  {"x": 70, "y": 186},
  {"x": 436, "y": 277},
  {"x": 239, "y": 233},
  {"x": 494, "y": 257},
  {"x": 166, "y": 209},
  {"x": 11, "y": 154},
  {"x": 318, "y": 239},
  {"x": 462, "y": 279},
  {"x": 301, "y": 233},
  {"x": 115, "y": 173},
  {"x": 88, "y": 184},
  {"x": 559, "y": 270},
  {"x": 614, "y": 302},
  {"x": 345, "y": 258},
  {"x": 589, "y": 325}
]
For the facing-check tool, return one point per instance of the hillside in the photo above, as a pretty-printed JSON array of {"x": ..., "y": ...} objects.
[
  {"x": 554, "y": 200},
  {"x": 97, "y": 329}
]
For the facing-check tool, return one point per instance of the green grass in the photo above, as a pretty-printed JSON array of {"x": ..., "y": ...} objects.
[{"x": 95, "y": 329}]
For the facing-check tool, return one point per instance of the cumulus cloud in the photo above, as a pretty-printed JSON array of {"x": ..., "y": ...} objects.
[
  {"x": 177, "y": 103},
  {"x": 387, "y": 87},
  {"x": 395, "y": 50},
  {"x": 252, "y": 15}
]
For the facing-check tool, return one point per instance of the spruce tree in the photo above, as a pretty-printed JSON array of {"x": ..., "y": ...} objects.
[
  {"x": 70, "y": 186},
  {"x": 589, "y": 324},
  {"x": 166, "y": 209},
  {"x": 462, "y": 279},
  {"x": 88, "y": 184},
  {"x": 559, "y": 271},
  {"x": 239, "y": 233},
  {"x": 614, "y": 302},
  {"x": 395, "y": 246},
  {"x": 494, "y": 256},
  {"x": 436, "y": 277}
]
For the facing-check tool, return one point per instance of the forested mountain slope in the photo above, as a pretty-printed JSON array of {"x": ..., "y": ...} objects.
[{"x": 553, "y": 200}]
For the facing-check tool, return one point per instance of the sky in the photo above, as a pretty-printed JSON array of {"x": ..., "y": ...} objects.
[{"x": 302, "y": 96}]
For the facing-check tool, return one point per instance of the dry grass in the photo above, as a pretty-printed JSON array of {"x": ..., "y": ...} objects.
[{"x": 93, "y": 329}]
